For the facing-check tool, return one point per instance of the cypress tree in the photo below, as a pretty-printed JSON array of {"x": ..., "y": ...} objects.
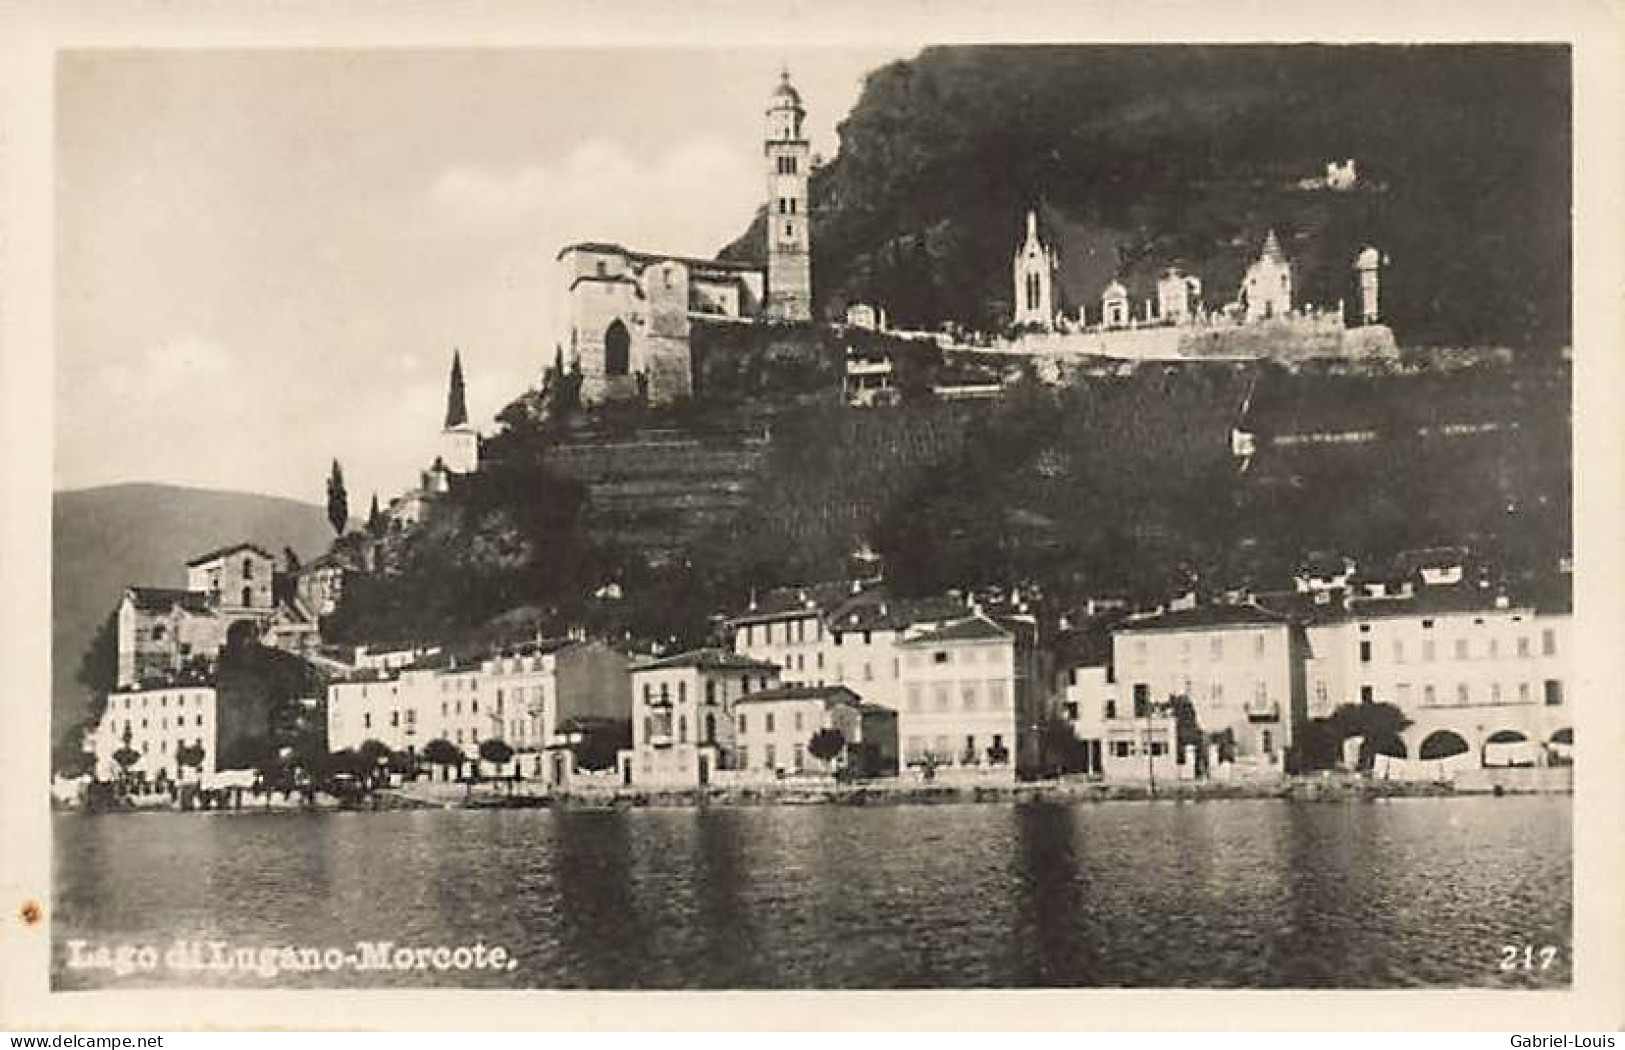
[{"x": 338, "y": 501}]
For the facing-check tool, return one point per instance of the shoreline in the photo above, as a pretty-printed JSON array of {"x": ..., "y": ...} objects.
[{"x": 494, "y": 795}]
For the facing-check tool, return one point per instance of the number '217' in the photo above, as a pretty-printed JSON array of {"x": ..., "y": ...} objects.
[{"x": 1527, "y": 957}]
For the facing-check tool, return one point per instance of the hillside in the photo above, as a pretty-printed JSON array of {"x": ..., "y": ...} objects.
[
  {"x": 104, "y": 538},
  {"x": 1142, "y": 157}
]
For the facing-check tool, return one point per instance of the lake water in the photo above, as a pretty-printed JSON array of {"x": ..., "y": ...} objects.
[{"x": 1417, "y": 892}]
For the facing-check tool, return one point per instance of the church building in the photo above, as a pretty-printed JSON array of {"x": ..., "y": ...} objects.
[
  {"x": 1266, "y": 291},
  {"x": 1033, "y": 270},
  {"x": 627, "y": 314}
]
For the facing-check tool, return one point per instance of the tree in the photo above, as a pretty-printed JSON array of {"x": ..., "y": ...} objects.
[
  {"x": 375, "y": 518},
  {"x": 456, "y": 400},
  {"x": 827, "y": 744},
  {"x": 442, "y": 752},
  {"x": 1379, "y": 727},
  {"x": 375, "y": 758},
  {"x": 1060, "y": 747},
  {"x": 189, "y": 756},
  {"x": 290, "y": 560},
  {"x": 495, "y": 751},
  {"x": 126, "y": 757},
  {"x": 1187, "y": 732},
  {"x": 338, "y": 501}
]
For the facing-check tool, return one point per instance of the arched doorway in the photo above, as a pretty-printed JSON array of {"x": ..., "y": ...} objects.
[
  {"x": 1507, "y": 747},
  {"x": 1447, "y": 751},
  {"x": 617, "y": 349},
  {"x": 1442, "y": 744}
]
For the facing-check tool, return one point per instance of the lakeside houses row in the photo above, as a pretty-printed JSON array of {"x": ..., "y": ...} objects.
[{"x": 849, "y": 677}]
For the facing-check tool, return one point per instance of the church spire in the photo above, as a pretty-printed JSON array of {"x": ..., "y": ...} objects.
[{"x": 456, "y": 402}]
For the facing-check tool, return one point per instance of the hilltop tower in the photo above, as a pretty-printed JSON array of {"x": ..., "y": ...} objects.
[
  {"x": 459, "y": 444},
  {"x": 1034, "y": 274},
  {"x": 1367, "y": 265},
  {"x": 789, "y": 228}
]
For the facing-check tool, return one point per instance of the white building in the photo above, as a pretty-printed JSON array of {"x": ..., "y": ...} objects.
[
  {"x": 971, "y": 696},
  {"x": 683, "y": 716},
  {"x": 520, "y": 696},
  {"x": 1177, "y": 295},
  {"x": 155, "y": 722},
  {"x": 1033, "y": 273},
  {"x": 1114, "y": 306},
  {"x": 1266, "y": 290},
  {"x": 774, "y": 728},
  {"x": 837, "y": 634},
  {"x": 1476, "y": 672},
  {"x": 1239, "y": 665}
]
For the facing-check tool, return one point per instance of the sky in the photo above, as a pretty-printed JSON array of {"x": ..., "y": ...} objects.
[{"x": 265, "y": 259}]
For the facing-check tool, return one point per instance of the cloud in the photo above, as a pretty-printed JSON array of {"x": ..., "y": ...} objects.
[{"x": 689, "y": 200}]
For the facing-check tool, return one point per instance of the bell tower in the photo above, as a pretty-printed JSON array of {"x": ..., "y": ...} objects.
[{"x": 789, "y": 229}]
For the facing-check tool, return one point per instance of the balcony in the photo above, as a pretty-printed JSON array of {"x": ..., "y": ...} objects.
[{"x": 1263, "y": 711}]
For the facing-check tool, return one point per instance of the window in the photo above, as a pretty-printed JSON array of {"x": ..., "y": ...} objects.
[
  {"x": 939, "y": 658},
  {"x": 682, "y": 729},
  {"x": 768, "y": 759},
  {"x": 940, "y": 696},
  {"x": 647, "y": 694},
  {"x": 1120, "y": 748},
  {"x": 366, "y": 720},
  {"x": 967, "y": 695},
  {"x": 1365, "y": 651},
  {"x": 789, "y": 229},
  {"x": 682, "y": 692},
  {"x": 744, "y": 758},
  {"x": 1367, "y": 694},
  {"x": 1399, "y": 651},
  {"x": 798, "y": 758},
  {"x": 710, "y": 728},
  {"x": 1494, "y": 648},
  {"x": 798, "y": 721},
  {"x": 868, "y": 671},
  {"x": 1428, "y": 651},
  {"x": 601, "y": 267},
  {"x": 248, "y": 596},
  {"x": 1215, "y": 649},
  {"x": 710, "y": 691},
  {"x": 1523, "y": 692},
  {"x": 1464, "y": 695},
  {"x": 1403, "y": 689},
  {"x": 474, "y": 706},
  {"x": 1267, "y": 739},
  {"x": 394, "y": 718},
  {"x": 744, "y": 685},
  {"x": 1495, "y": 692},
  {"x": 1111, "y": 710},
  {"x": 1461, "y": 648},
  {"x": 1320, "y": 693},
  {"x": 1428, "y": 695},
  {"x": 1548, "y": 642},
  {"x": 1523, "y": 645},
  {"x": 199, "y": 719},
  {"x": 1554, "y": 692},
  {"x": 767, "y": 723},
  {"x": 1142, "y": 700}
]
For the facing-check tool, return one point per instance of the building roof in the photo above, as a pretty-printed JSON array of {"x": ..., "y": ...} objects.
[
  {"x": 610, "y": 248},
  {"x": 973, "y": 628},
  {"x": 1205, "y": 616},
  {"x": 233, "y": 549},
  {"x": 159, "y": 599},
  {"x": 876, "y": 610},
  {"x": 829, "y": 695},
  {"x": 709, "y": 659},
  {"x": 1324, "y": 563},
  {"x": 456, "y": 400},
  {"x": 787, "y": 90},
  {"x": 1414, "y": 561},
  {"x": 782, "y": 603}
]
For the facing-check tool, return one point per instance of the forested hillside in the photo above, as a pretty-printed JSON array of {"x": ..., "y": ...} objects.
[{"x": 1141, "y": 157}]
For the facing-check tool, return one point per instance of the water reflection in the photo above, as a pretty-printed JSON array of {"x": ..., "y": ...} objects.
[{"x": 1260, "y": 893}]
